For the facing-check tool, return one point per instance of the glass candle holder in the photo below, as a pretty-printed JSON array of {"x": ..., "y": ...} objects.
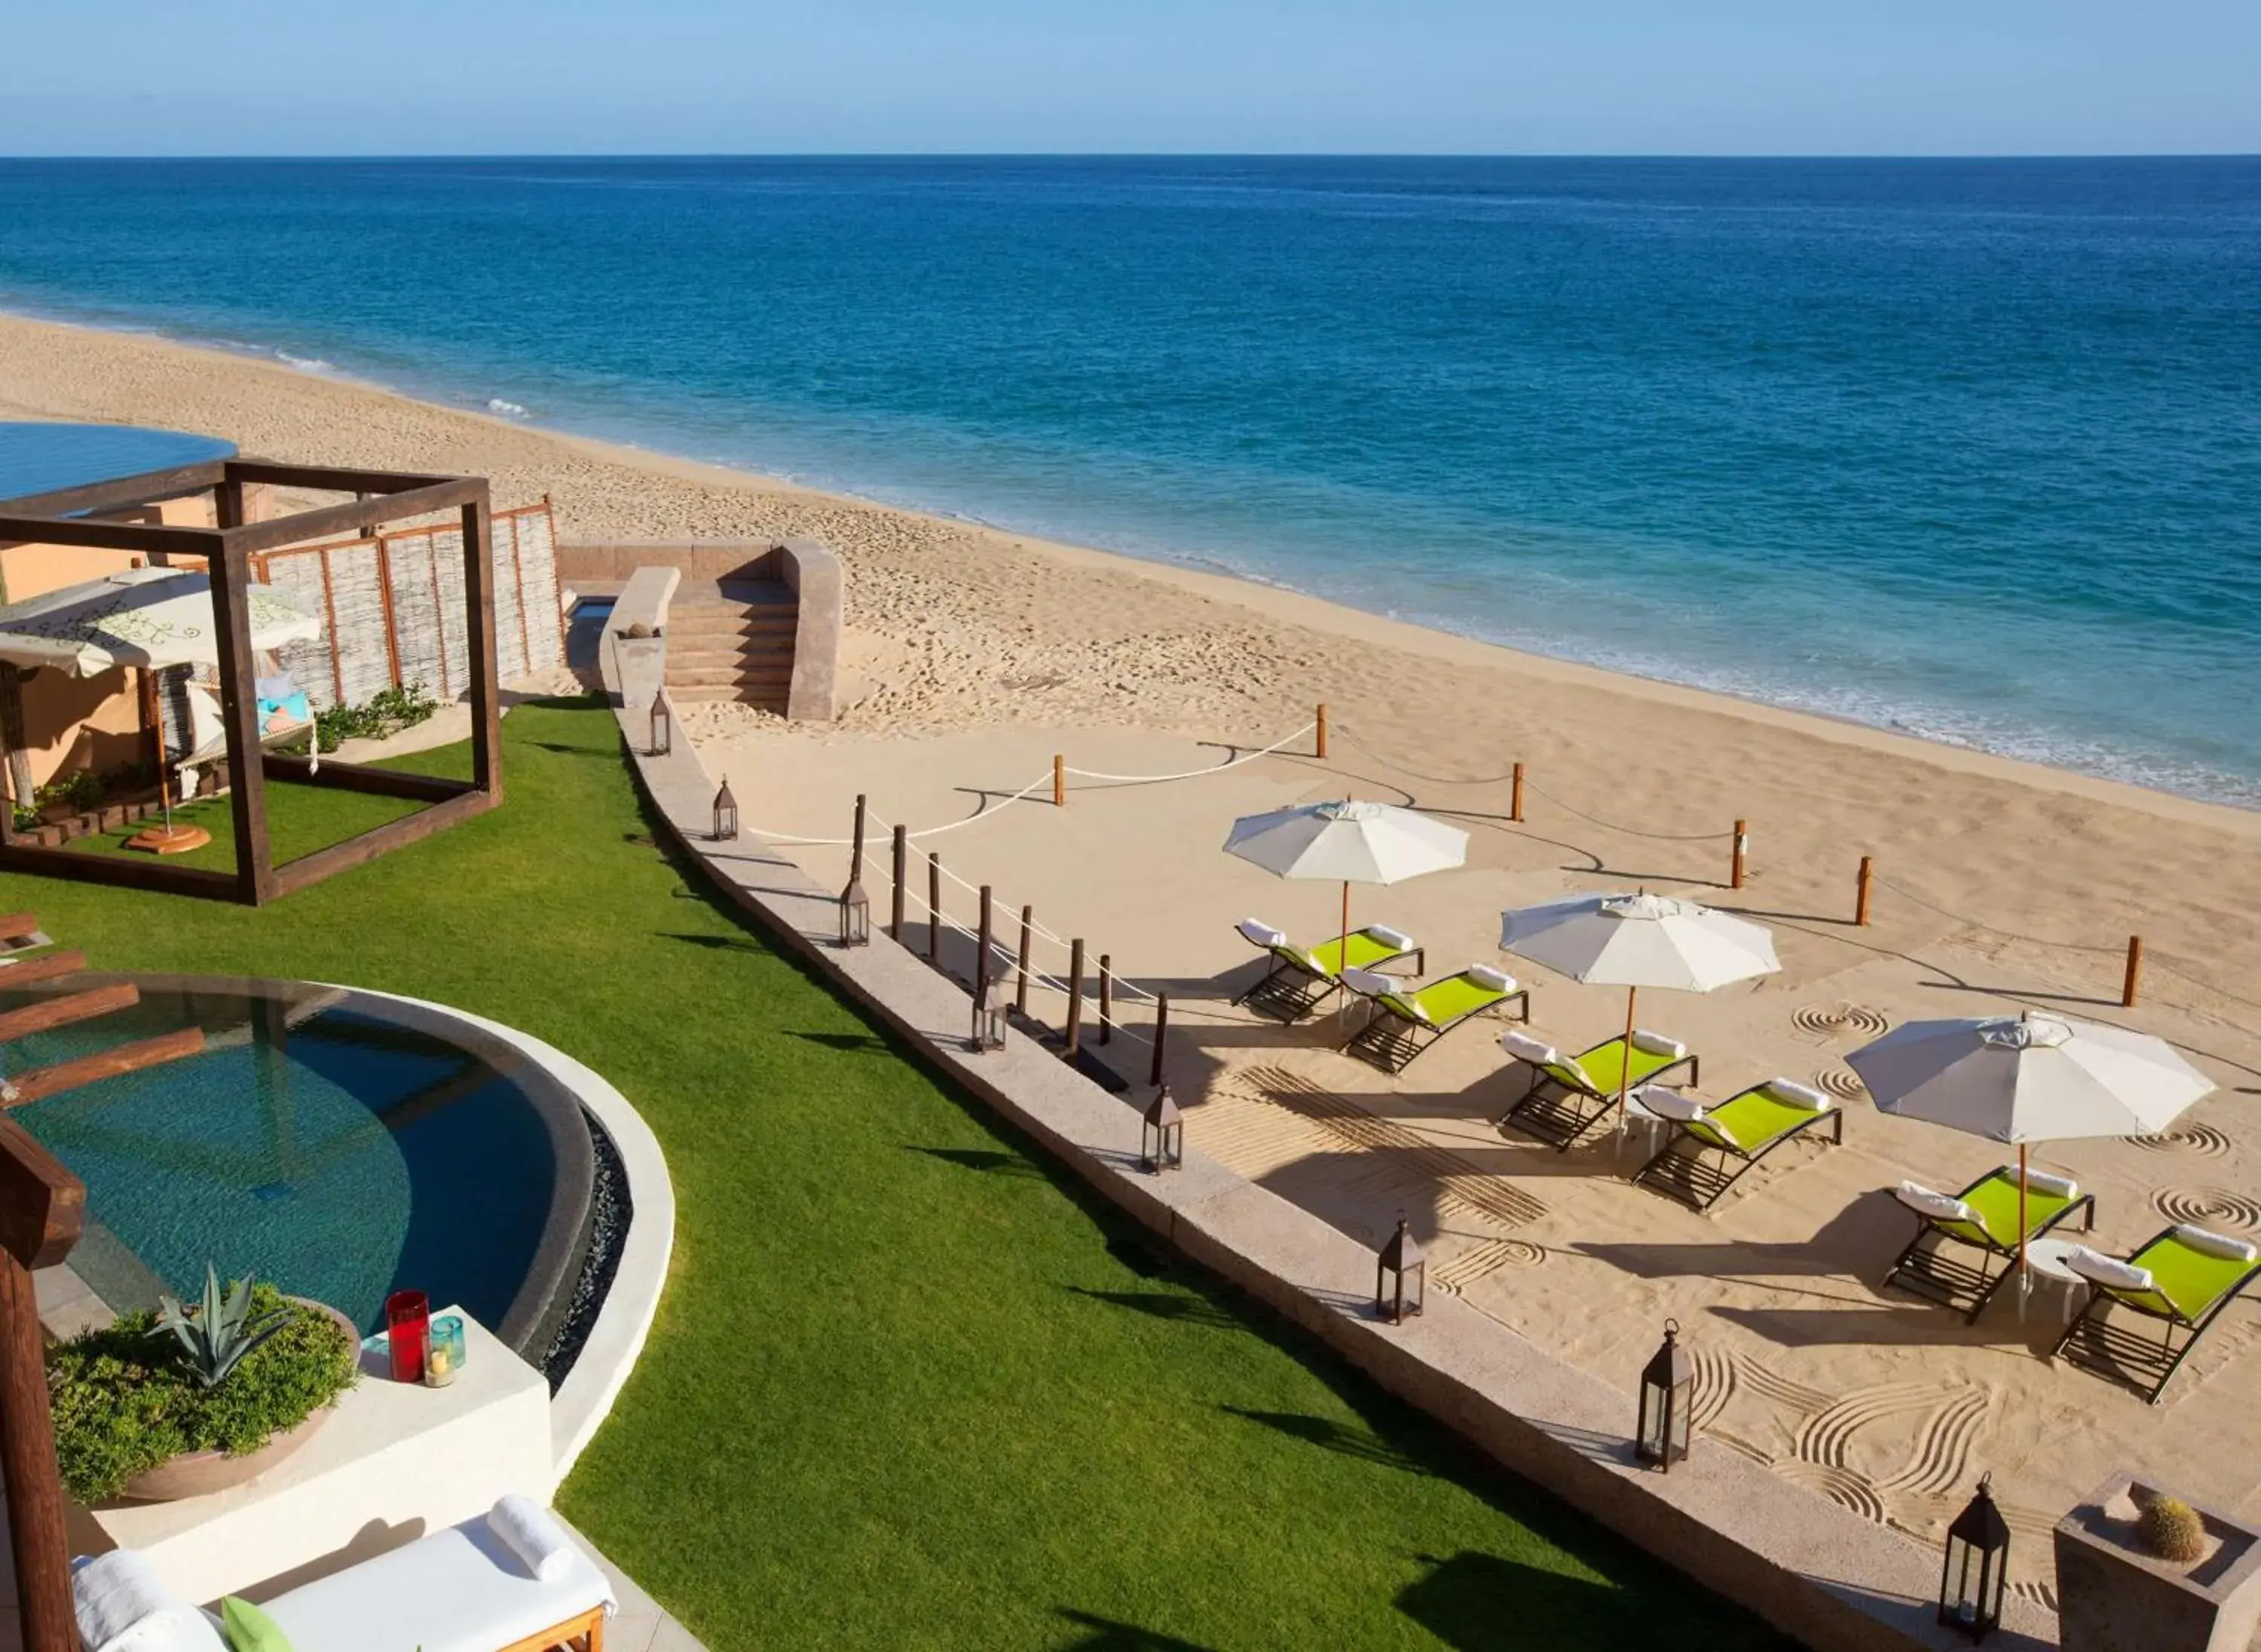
[
  {"x": 444, "y": 1354},
  {"x": 407, "y": 1321}
]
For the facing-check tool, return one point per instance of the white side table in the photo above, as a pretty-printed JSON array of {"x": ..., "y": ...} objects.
[{"x": 2045, "y": 1258}]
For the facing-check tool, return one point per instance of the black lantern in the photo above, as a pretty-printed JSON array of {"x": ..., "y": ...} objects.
[
  {"x": 1400, "y": 1266},
  {"x": 663, "y": 730},
  {"x": 1971, "y": 1583},
  {"x": 1667, "y": 1391},
  {"x": 1162, "y": 1137},
  {"x": 991, "y": 1016},
  {"x": 855, "y": 905},
  {"x": 726, "y": 813}
]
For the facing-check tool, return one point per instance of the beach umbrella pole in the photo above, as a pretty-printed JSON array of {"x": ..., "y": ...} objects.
[
  {"x": 2025, "y": 1279},
  {"x": 1625, "y": 1061},
  {"x": 1342, "y": 958}
]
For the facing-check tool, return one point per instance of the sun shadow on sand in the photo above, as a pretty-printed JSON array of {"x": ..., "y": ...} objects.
[{"x": 1918, "y": 1326}]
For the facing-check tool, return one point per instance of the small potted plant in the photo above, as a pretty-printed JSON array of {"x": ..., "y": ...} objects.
[
  {"x": 2137, "y": 1566},
  {"x": 186, "y": 1401}
]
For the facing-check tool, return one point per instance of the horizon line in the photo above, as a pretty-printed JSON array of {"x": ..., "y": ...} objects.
[{"x": 1142, "y": 154}]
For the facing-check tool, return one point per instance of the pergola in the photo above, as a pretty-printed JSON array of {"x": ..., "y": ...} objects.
[{"x": 87, "y": 518}]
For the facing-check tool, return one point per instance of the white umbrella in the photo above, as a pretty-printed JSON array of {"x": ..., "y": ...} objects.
[
  {"x": 150, "y": 617},
  {"x": 2027, "y": 1078},
  {"x": 1347, "y": 843},
  {"x": 1639, "y": 940}
]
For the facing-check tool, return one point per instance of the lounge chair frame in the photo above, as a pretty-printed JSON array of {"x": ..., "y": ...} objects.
[
  {"x": 1289, "y": 991},
  {"x": 1562, "y": 1114},
  {"x": 1699, "y": 1186},
  {"x": 2118, "y": 1355},
  {"x": 1946, "y": 1280},
  {"x": 1392, "y": 1041}
]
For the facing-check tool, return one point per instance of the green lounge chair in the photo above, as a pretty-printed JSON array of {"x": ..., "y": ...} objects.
[
  {"x": 2183, "y": 1278},
  {"x": 1302, "y": 978},
  {"x": 1400, "y": 1025},
  {"x": 1568, "y": 1095},
  {"x": 1741, "y": 1132},
  {"x": 1983, "y": 1216}
]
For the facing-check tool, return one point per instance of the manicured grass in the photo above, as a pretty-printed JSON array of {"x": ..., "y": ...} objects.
[{"x": 908, "y": 1388}]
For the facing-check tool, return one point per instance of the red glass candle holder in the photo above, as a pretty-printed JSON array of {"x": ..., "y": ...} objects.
[{"x": 408, "y": 1326}]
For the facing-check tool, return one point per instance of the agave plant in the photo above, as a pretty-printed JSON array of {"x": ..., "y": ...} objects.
[{"x": 216, "y": 1336}]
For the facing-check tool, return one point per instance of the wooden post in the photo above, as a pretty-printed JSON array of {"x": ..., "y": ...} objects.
[
  {"x": 1106, "y": 999},
  {"x": 903, "y": 856},
  {"x": 933, "y": 907},
  {"x": 228, "y": 573},
  {"x": 2135, "y": 975},
  {"x": 1515, "y": 796},
  {"x": 1059, "y": 782},
  {"x": 46, "y": 1207},
  {"x": 1074, "y": 995},
  {"x": 856, "y": 854},
  {"x": 1742, "y": 848},
  {"x": 1021, "y": 984},
  {"x": 482, "y": 663},
  {"x": 1161, "y": 1029},
  {"x": 1320, "y": 745},
  {"x": 1861, "y": 890},
  {"x": 981, "y": 968}
]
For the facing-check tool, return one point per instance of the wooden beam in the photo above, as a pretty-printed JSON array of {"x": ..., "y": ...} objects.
[
  {"x": 329, "y": 478},
  {"x": 43, "y": 1082},
  {"x": 486, "y": 690},
  {"x": 119, "y": 491},
  {"x": 379, "y": 840},
  {"x": 130, "y": 872},
  {"x": 16, "y": 925},
  {"x": 169, "y": 541},
  {"x": 42, "y": 1551},
  {"x": 63, "y": 1009},
  {"x": 360, "y": 777},
  {"x": 239, "y": 710},
  {"x": 42, "y": 1205},
  {"x": 46, "y": 967},
  {"x": 338, "y": 519}
]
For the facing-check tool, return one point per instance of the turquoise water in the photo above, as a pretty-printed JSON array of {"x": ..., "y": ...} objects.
[
  {"x": 343, "y": 1159},
  {"x": 46, "y": 459},
  {"x": 1968, "y": 448}
]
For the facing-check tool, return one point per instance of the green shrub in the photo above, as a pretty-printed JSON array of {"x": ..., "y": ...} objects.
[
  {"x": 125, "y": 1399},
  {"x": 388, "y": 712},
  {"x": 2171, "y": 1529}
]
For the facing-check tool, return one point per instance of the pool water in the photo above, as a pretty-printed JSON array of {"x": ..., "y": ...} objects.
[
  {"x": 322, "y": 1142},
  {"x": 46, "y": 459}
]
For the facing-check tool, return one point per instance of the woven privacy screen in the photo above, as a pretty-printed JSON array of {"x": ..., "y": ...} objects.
[{"x": 392, "y": 608}]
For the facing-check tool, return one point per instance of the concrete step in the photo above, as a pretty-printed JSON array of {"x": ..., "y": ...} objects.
[
  {"x": 726, "y": 623},
  {"x": 708, "y": 650},
  {"x": 695, "y": 695},
  {"x": 779, "y": 677}
]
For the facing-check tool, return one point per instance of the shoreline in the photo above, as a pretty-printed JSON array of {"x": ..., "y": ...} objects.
[{"x": 20, "y": 331}]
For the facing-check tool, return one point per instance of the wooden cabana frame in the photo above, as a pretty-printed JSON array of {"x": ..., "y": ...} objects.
[{"x": 75, "y": 517}]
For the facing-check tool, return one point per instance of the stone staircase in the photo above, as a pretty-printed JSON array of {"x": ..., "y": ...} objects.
[{"x": 732, "y": 639}]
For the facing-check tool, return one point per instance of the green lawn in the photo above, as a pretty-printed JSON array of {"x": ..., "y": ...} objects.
[{"x": 908, "y": 1388}]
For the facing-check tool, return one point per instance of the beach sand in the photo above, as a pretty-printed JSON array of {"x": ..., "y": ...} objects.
[{"x": 974, "y": 655}]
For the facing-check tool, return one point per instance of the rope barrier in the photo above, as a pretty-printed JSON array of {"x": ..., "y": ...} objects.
[
  {"x": 1630, "y": 831},
  {"x": 1433, "y": 779},
  {"x": 1195, "y": 775},
  {"x": 2009, "y": 935}
]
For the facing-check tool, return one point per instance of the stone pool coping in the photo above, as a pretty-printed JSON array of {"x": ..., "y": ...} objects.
[{"x": 1819, "y": 1572}]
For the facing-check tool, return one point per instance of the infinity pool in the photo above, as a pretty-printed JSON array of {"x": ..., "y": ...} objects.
[{"x": 343, "y": 1145}]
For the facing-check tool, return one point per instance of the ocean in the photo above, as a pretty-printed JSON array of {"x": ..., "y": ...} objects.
[{"x": 1966, "y": 449}]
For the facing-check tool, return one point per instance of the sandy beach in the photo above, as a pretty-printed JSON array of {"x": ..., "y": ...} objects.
[{"x": 973, "y": 655}]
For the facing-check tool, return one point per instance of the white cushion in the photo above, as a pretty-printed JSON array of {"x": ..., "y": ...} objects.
[
  {"x": 2045, "y": 1181},
  {"x": 1804, "y": 1094},
  {"x": 1485, "y": 975},
  {"x": 1940, "y": 1206},
  {"x": 1670, "y": 1103},
  {"x": 1524, "y": 1047},
  {"x": 462, "y": 1589},
  {"x": 2107, "y": 1270},
  {"x": 2213, "y": 1244},
  {"x": 1260, "y": 933},
  {"x": 121, "y": 1607},
  {"x": 1388, "y": 937},
  {"x": 1657, "y": 1044},
  {"x": 1370, "y": 983},
  {"x": 535, "y": 1536}
]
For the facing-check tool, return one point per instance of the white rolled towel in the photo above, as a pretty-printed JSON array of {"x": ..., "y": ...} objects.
[
  {"x": 1370, "y": 983},
  {"x": 1941, "y": 1207},
  {"x": 1801, "y": 1094},
  {"x": 2107, "y": 1270},
  {"x": 1657, "y": 1044},
  {"x": 1388, "y": 937},
  {"x": 1524, "y": 1047},
  {"x": 120, "y": 1607},
  {"x": 1496, "y": 980},
  {"x": 531, "y": 1532},
  {"x": 2045, "y": 1181},
  {"x": 1670, "y": 1103},
  {"x": 2209, "y": 1243},
  {"x": 1260, "y": 933}
]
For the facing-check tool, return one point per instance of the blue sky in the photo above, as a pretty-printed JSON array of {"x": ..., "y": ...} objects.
[{"x": 1582, "y": 76}]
